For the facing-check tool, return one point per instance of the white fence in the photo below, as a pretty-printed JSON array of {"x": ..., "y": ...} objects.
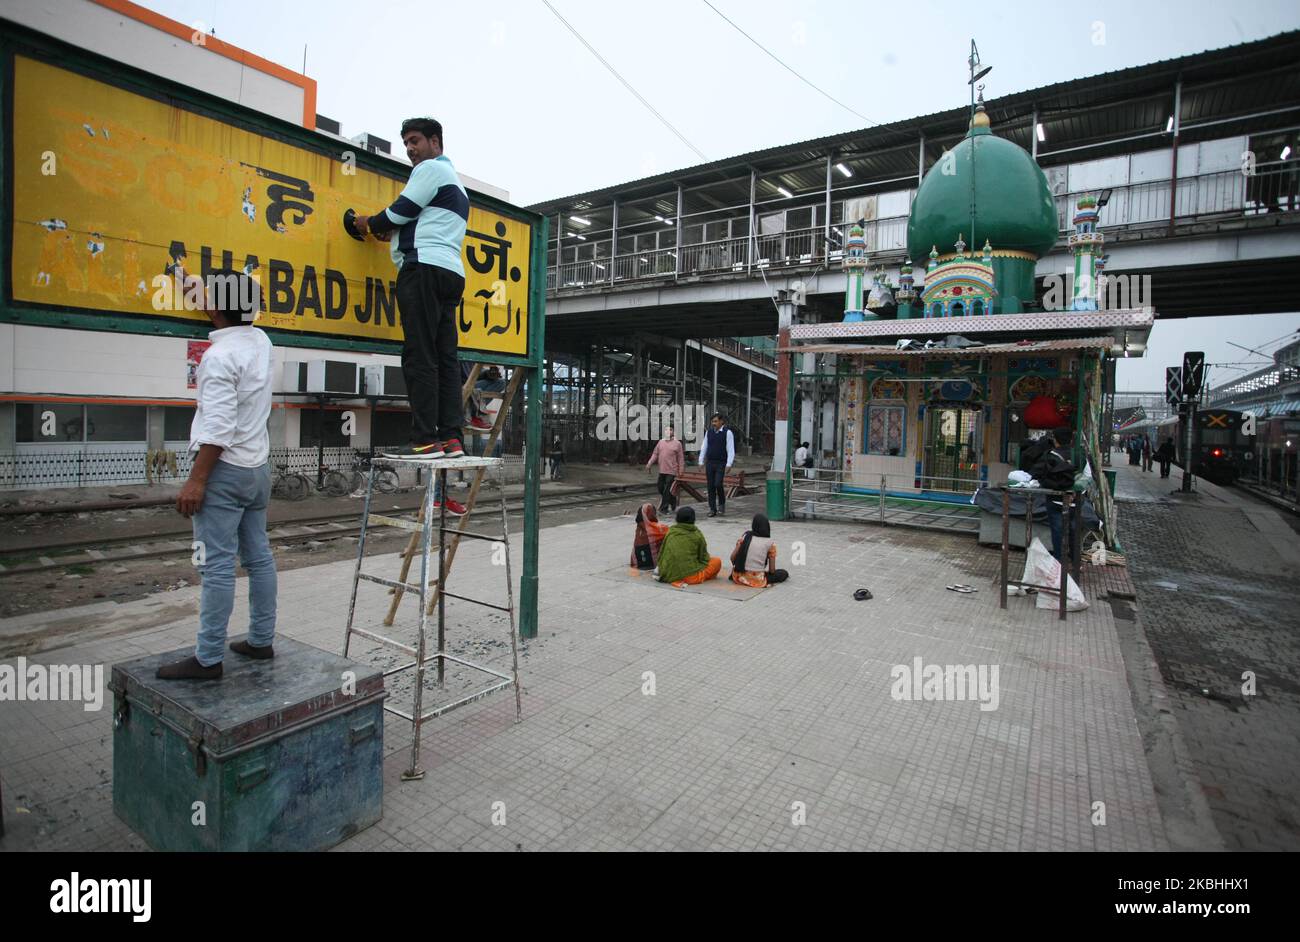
[{"x": 35, "y": 468}]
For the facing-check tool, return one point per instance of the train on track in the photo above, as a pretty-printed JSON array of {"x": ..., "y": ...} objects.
[
  {"x": 1231, "y": 446},
  {"x": 1224, "y": 442}
]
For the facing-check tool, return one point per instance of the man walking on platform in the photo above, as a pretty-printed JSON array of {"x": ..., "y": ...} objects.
[
  {"x": 430, "y": 215},
  {"x": 1165, "y": 455},
  {"x": 230, "y": 483},
  {"x": 717, "y": 454}
]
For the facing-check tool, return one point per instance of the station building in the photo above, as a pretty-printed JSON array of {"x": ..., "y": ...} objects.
[{"x": 82, "y": 394}]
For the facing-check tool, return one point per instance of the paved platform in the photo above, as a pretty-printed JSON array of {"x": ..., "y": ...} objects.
[
  {"x": 1216, "y": 574},
  {"x": 772, "y": 723}
]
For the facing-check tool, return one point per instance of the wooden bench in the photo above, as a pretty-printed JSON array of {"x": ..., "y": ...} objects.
[{"x": 733, "y": 485}]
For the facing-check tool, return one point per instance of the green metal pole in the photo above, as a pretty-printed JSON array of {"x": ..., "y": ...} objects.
[
  {"x": 791, "y": 436},
  {"x": 1085, "y": 364},
  {"x": 533, "y": 429}
]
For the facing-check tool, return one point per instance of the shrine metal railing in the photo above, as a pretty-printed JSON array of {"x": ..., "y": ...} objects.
[{"x": 926, "y": 501}]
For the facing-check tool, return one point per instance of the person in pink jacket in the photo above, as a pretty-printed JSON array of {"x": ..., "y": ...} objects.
[{"x": 671, "y": 457}]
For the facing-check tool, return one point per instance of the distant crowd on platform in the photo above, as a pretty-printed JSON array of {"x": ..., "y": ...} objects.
[{"x": 1140, "y": 454}]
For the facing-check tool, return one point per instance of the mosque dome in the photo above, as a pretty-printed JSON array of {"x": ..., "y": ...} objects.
[{"x": 1014, "y": 209}]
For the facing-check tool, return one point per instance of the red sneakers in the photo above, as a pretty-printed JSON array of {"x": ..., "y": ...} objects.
[
  {"x": 454, "y": 508},
  {"x": 451, "y": 448},
  {"x": 477, "y": 424}
]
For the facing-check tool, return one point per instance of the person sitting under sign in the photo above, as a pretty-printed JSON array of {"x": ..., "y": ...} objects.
[
  {"x": 684, "y": 557},
  {"x": 753, "y": 560}
]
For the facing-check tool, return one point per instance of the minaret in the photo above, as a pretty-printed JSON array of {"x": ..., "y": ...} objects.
[
  {"x": 855, "y": 267},
  {"x": 906, "y": 294},
  {"x": 1086, "y": 243}
]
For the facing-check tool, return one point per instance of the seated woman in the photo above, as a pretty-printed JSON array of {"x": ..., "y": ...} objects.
[
  {"x": 684, "y": 557},
  {"x": 753, "y": 560},
  {"x": 649, "y": 538}
]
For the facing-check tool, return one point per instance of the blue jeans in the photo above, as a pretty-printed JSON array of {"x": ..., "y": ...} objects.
[
  {"x": 1054, "y": 515},
  {"x": 233, "y": 520}
]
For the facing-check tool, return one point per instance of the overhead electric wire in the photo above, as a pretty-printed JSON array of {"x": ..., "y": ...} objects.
[
  {"x": 626, "y": 84},
  {"x": 815, "y": 88}
]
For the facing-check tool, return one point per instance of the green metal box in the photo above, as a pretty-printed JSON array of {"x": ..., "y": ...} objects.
[{"x": 283, "y": 754}]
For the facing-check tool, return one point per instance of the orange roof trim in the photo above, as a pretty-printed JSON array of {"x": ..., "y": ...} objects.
[{"x": 212, "y": 44}]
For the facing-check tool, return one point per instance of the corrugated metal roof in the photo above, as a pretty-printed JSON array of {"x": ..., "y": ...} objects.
[
  {"x": 1033, "y": 346},
  {"x": 1232, "y": 80}
]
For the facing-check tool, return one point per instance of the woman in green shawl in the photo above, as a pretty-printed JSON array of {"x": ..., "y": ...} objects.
[{"x": 684, "y": 557}]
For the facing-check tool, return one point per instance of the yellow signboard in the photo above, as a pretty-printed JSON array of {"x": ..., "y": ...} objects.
[{"x": 112, "y": 188}]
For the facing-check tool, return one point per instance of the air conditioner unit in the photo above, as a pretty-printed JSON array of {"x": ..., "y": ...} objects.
[
  {"x": 373, "y": 144},
  {"x": 295, "y": 377},
  {"x": 380, "y": 380},
  {"x": 333, "y": 377}
]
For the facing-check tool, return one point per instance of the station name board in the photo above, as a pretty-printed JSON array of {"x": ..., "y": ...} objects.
[{"x": 112, "y": 189}]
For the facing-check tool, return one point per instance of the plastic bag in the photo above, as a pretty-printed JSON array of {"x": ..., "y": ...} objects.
[{"x": 1043, "y": 571}]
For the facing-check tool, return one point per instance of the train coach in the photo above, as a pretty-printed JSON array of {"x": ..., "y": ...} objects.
[{"x": 1222, "y": 442}]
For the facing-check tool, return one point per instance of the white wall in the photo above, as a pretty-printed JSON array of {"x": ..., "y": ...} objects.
[
  {"x": 119, "y": 37},
  {"x": 60, "y": 361}
]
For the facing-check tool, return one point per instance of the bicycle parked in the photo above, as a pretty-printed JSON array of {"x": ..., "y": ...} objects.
[
  {"x": 386, "y": 480},
  {"x": 289, "y": 485},
  {"x": 294, "y": 485}
]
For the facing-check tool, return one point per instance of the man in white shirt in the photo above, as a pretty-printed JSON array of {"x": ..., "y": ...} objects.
[
  {"x": 230, "y": 483},
  {"x": 717, "y": 453}
]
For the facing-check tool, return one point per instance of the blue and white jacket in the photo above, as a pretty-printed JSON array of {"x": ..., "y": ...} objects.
[{"x": 430, "y": 215}]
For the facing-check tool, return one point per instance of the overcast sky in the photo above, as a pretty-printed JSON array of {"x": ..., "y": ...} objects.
[{"x": 527, "y": 107}]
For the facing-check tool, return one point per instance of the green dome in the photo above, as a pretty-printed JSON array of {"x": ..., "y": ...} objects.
[{"x": 1014, "y": 208}]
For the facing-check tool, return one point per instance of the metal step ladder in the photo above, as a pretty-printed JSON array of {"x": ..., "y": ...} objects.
[{"x": 431, "y": 590}]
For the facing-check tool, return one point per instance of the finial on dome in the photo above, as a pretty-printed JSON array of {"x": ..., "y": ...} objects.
[
  {"x": 980, "y": 119},
  {"x": 960, "y": 246}
]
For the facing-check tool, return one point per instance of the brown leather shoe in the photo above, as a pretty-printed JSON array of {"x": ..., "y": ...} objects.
[
  {"x": 189, "y": 669},
  {"x": 251, "y": 650}
]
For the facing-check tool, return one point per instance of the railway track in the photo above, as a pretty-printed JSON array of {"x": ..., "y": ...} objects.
[{"x": 52, "y": 556}]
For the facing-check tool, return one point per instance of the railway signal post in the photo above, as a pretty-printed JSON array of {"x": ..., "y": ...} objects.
[{"x": 1190, "y": 377}]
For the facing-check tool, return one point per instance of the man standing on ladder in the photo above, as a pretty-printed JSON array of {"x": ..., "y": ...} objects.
[
  {"x": 430, "y": 215},
  {"x": 717, "y": 455}
]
